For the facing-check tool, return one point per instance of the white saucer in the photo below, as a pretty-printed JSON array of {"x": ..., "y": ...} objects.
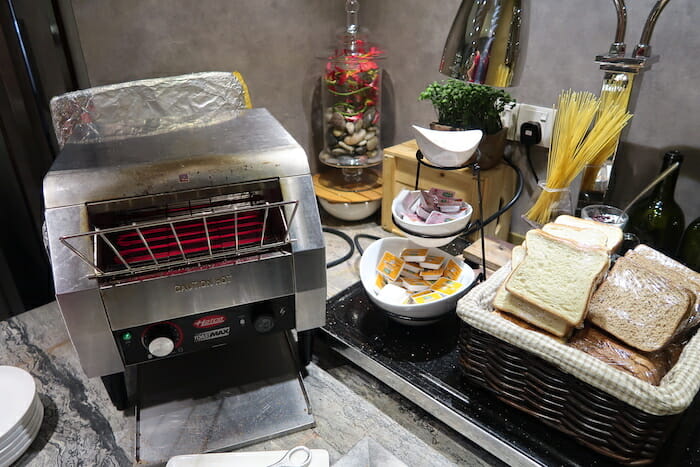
[
  {"x": 11, "y": 437},
  {"x": 18, "y": 392},
  {"x": 11, "y": 453}
]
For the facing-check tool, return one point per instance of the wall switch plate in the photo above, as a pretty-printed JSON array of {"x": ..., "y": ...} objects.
[{"x": 522, "y": 113}]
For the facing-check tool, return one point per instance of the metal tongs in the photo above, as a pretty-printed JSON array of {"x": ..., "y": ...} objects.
[{"x": 299, "y": 456}]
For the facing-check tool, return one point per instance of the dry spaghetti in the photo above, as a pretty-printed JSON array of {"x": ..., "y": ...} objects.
[
  {"x": 614, "y": 98},
  {"x": 575, "y": 144}
]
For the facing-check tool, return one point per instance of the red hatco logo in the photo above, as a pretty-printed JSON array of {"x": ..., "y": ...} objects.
[{"x": 209, "y": 321}]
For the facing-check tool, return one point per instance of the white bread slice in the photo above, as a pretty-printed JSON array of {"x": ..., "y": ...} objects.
[
  {"x": 558, "y": 275},
  {"x": 583, "y": 236},
  {"x": 525, "y": 325},
  {"x": 639, "y": 307},
  {"x": 509, "y": 303},
  {"x": 613, "y": 233}
]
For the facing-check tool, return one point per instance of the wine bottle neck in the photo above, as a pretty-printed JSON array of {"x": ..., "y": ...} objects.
[{"x": 666, "y": 189}]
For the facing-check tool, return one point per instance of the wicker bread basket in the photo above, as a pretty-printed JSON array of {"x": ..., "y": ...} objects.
[{"x": 607, "y": 410}]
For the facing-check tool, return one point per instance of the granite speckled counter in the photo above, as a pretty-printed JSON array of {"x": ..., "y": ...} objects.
[{"x": 81, "y": 426}]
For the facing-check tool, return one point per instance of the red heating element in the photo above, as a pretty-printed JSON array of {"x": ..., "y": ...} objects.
[
  {"x": 194, "y": 230},
  {"x": 225, "y": 232}
]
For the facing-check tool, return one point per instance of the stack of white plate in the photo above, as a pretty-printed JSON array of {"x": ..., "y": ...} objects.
[{"x": 21, "y": 413}]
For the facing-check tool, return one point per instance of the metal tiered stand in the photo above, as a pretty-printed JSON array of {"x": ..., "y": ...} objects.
[{"x": 480, "y": 223}]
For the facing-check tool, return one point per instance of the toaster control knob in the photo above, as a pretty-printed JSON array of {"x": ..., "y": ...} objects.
[
  {"x": 161, "y": 339},
  {"x": 161, "y": 346},
  {"x": 264, "y": 323}
]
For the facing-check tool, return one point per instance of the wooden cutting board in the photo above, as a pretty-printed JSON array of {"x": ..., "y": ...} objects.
[{"x": 497, "y": 253}]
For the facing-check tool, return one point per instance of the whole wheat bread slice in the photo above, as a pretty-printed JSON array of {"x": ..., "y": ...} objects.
[
  {"x": 639, "y": 307},
  {"x": 558, "y": 275},
  {"x": 666, "y": 266},
  {"x": 673, "y": 271},
  {"x": 534, "y": 315}
]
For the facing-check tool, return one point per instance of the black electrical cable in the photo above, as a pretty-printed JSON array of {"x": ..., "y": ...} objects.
[
  {"x": 507, "y": 206},
  {"x": 529, "y": 162},
  {"x": 357, "y": 241},
  {"x": 347, "y": 239}
]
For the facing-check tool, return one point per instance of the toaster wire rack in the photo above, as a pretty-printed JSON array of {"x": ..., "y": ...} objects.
[{"x": 186, "y": 234}]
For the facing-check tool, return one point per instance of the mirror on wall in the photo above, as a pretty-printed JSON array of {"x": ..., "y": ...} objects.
[{"x": 483, "y": 43}]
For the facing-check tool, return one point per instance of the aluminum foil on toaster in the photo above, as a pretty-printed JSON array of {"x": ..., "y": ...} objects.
[{"x": 146, "y": 107}]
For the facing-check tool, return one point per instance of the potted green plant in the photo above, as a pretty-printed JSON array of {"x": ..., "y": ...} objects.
[{"x": 467, "y": 106}]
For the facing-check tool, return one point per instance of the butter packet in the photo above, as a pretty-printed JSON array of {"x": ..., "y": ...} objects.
[
  {"x": 406, "y": 273},
  {"x": 432, "y": 274},
  {"x": 413, "y": 267},
  {"x": 432, "y": 262},
  {"x": 415, "y": 285},
  {"x": 453, "y": 271},
  {"x": 426, "y": 297},
  {"x": 414, "y": 255},
  {"x": 390, "y": 266},
  {"x": 379, "y": 283},
  {"x": 427, "y": 292},
  {"x": 446, "y": 286}
]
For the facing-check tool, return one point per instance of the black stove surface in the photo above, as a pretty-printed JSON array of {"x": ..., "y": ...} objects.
[{"x": 426, "y": 358}]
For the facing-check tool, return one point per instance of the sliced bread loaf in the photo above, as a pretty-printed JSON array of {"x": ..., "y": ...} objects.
[
  {"x": 509, "y": 303},
  {"x": 583, "y": 236},
  {"x": 640, "y": 308},
  {"x": 666, "y": 266},
  {"x": 647, "y": 367},
  {"x": 613, "y": 234},
  {"x": 558, "y": 275},
  {"x": 672, "y": 270}
]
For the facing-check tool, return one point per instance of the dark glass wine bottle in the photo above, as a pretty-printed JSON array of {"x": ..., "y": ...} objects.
[
  {"x": 689, "y": 253},
  {"x": 658, "y": 220}
]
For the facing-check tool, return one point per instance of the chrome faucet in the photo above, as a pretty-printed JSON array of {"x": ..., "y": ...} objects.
[
  {"x": 618, "y": 79},
  {"x": 643, "y": 49},
  {"x": 615, "y": 59}
]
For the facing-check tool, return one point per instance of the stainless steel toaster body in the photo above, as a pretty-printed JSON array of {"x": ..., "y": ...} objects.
[{"x": 123, "y": 294}]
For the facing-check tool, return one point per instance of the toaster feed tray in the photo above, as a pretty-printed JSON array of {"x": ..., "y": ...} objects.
[{"x": 219, "y": 400}]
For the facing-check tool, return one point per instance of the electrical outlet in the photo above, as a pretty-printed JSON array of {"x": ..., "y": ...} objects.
[
  {"x": 543, "y": 115},
  {"x": 522, "y": 113}
]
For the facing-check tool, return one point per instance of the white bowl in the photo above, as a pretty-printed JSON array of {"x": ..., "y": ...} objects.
[
  {"x": 350, "y": 211},
  {"x": 455, "y": 226},
  {"x": 413, "y": 314},
  {"x": 447, "y": 148}
]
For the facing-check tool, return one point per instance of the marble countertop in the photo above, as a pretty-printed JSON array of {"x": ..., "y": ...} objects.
[{"x": 82, "y": 427}]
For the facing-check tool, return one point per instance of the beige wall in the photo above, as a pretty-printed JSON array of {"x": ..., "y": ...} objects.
[{"x": 275, "y": 44}]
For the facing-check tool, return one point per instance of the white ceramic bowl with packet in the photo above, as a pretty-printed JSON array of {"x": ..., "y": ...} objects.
[
  {"x": 447, "y": 148},
  {"x": 437, "y": 231},
  {"x": 410, "y": 314}
]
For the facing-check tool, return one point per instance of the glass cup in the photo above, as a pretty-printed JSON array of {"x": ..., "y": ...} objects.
[
  {"x": 552, "y": 203},
  {"x": 605, "y": 214}
]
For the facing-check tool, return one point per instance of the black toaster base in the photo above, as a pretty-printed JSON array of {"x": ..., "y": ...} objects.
[{"x": 172, "y": 338}]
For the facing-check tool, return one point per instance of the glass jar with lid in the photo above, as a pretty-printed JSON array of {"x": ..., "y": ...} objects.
[{"x": 351, "y": 99}]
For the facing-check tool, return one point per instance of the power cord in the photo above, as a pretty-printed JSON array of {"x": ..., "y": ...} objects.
[
  {"x": 357, "y": 241},
  {"x": 518, "y": 192},
  {"x": 347, "y": 239}
]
